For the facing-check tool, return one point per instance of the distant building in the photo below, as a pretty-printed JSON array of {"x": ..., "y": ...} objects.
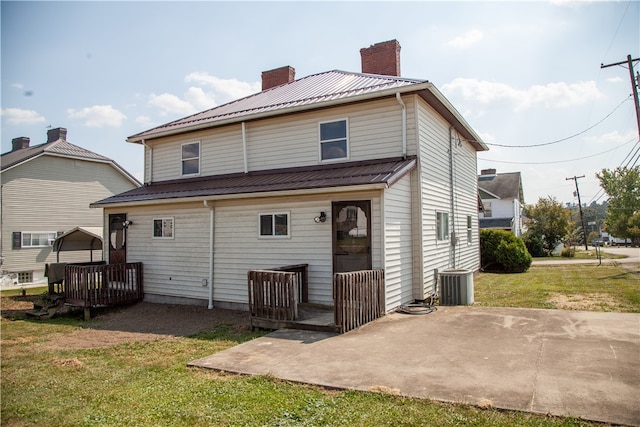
[
  {"x": 502, "y": 200},
  {"x": 46, "y": 191}
]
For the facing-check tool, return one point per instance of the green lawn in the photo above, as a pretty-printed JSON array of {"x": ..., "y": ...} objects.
[
  {"x": 577, "y": 286},
  {"x": 148, "y": 383}
]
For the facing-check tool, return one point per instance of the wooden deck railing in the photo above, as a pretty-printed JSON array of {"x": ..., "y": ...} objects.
[
  {"x": 102, "y": 285},
  {"x": 274, "y": 294},
  {"x": 358, "y": 298}
]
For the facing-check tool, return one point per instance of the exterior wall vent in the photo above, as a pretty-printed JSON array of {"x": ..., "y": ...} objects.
[{"x": 456, "y": 287}]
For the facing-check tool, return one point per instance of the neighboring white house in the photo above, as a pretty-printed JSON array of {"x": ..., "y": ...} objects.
[
  {"x": 502, "y": 201},
  {"x": 46, "y": 192},
  {"x": 341, "y": 171}
]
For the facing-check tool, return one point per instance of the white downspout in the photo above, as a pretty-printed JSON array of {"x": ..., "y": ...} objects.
[
  {"x": 452, "y": 224},
  {"x": 211, "y": 237},
  {"x": 150, "y": 161},
  {"x": 244, "y": 148},
  {"x": 404, "y": 125}
]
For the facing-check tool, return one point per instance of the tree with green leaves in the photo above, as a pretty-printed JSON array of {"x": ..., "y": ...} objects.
[
  {"x": 622, "y": 185},
  {"x": 549, "y": 221}
]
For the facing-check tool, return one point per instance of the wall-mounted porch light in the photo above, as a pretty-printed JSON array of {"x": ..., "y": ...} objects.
[
  {"x": 321, "y": 218},
  {"x": 126, "y": 224}
]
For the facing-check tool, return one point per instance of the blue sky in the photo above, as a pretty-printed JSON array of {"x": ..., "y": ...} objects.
[{"x": 521, "y": 73}]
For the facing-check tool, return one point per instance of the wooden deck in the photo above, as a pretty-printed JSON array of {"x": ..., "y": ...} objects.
[{"x": 91, "y": 286}]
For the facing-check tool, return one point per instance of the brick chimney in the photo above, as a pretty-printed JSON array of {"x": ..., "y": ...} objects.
[
  {"x": 488, "y": 172},
  {"x": 20, "y": 143},
  {"x": 56, "y": 134},
  {"x": 381, "y": 58},
  {"x": 277, "y": 77}
]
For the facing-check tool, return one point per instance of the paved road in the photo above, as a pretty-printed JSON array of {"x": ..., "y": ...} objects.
[{"x": 632, "y": 257}]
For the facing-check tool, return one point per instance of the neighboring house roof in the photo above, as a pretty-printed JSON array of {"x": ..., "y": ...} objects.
[
  {"x": 59, "y": 148},
  {"x": 315, "y": 91},
  {"x": 501, "y": 186},
  {"x": 380, "y": 172}
]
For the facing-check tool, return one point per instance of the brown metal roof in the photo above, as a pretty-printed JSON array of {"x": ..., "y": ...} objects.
[
  {"x": 59, "y": 147},
  {"x": 307, "y": 91},
  {"x": 380, "y": 171}
]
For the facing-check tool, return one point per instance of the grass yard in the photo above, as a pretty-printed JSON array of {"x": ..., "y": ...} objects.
[
  {"x": 46, "y": 381},
  {"x": 569, "y": 287}
]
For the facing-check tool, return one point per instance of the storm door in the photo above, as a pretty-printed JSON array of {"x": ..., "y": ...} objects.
[
  {"x": 351, "y": 236},
  {"x": 117, "y": 239}
]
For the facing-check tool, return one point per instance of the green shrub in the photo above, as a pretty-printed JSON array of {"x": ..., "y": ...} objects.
[
  {"x": 534, "y": 244},
  {"x": 501, "y": 250}
]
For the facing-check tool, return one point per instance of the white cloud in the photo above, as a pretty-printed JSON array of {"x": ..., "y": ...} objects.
[
  {"x": 18, "y": 85},
  {"x": 466, "y": 40},
  {"x": 612, "y": 138},
  {"x": 208, "y": 91},
  {"x": 226, "y": 89},
  {"x": 98, "y": 116},
  {"x": 616, "y": 79},
  {"x": 169, "y": 104},
  {"x": 551, "y": 95},
  {"x": 18, "y": 116}
]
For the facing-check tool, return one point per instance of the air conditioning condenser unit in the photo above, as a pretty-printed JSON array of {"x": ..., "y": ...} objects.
[{"x": 456, "y": 287}]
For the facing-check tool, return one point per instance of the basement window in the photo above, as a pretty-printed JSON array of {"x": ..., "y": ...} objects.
[
  {"x": 442, "y": 226},
  {"x": 163, "y": 228},
  {"x": 191, "y": 159},
  {"x": 274, "y": 225},
  {"x": 334, "y": 141}
]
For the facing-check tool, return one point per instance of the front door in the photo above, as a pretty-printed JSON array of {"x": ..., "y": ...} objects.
[
  {"x": 351, "y": 236},
  {"x": 117, "y": 239}
]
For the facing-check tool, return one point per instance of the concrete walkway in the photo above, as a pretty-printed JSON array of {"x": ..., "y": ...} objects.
[{"x": 569, "y": 363}]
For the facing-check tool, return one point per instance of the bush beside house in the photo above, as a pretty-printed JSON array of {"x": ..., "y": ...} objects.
[{"x": 502, "y": 251}]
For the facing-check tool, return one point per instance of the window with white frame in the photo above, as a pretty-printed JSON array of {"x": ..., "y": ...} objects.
[
  {"x": 163, "y": 228},
  {"x": 442, "y": 226},
  {"x": 274, "y": 225},
  {"x": 469, "y": 229},
  {"x": 38, "y": 239},
  {"x": 191, "y": 159},
  {"x": 334, "y": 143}
]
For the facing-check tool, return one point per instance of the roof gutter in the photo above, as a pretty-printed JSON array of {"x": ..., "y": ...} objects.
[{"x": 238, "y": 196}]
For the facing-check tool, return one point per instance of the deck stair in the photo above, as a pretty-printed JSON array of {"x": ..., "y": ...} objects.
[{"x": 47, "y": 307}]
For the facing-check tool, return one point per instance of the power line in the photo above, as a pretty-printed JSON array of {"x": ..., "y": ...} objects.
[
  {"x": 563, "y": 139},
  {"x": 558, "y": 161}
]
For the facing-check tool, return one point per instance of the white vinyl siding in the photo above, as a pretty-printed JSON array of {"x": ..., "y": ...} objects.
[
  {"x": 172, "y": 267},
  {"x": 398, "y": 244},
  {"x": 52, "y": 193},
  {"x": 374, "y": 131},
  {"x": 433, "y": 134}
]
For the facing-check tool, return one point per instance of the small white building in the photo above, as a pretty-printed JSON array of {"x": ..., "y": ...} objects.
[
  {"x": 46, "y": 192},
  {"x": 339, "y": 170}
]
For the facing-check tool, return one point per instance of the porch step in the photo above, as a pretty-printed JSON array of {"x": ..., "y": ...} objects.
[{"x": 47, "y": 308}]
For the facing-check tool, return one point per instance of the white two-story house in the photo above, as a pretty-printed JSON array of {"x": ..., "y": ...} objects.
[
  {"x": 46, "y": 191},
  {"x": 502, "y": 200},
  {"x": 339, "y": 170}
]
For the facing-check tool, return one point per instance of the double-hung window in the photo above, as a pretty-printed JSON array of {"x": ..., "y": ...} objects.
[
  {"x": 274, "y": 225},
  {"x": 191, "y": 159},
  {"x": 334, "y": 141},
  {"x": 442, "y": 225}
]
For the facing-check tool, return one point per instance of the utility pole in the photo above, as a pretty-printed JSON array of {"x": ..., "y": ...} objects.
[
  {"x": 635, "y": 81},
  {"x": 584, "y": 230}
]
